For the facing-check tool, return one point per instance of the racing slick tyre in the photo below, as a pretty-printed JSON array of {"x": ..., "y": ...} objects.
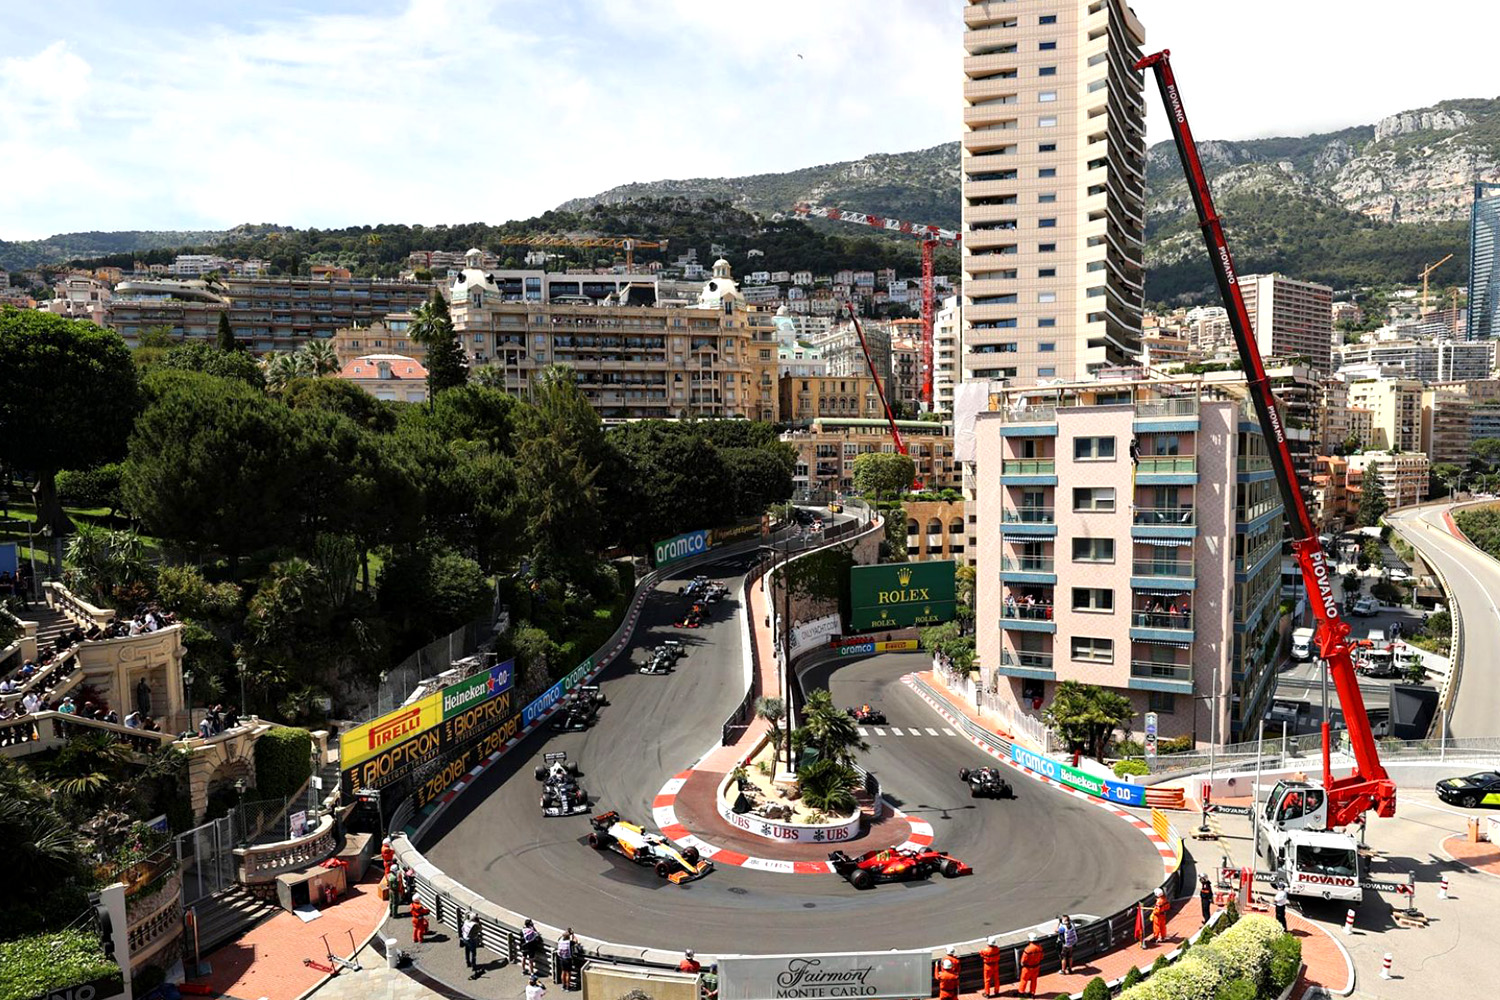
[
  {"x": 1469, "y": 801},
  {"x": 691, "y": 854},
  {"x": 861, "y": 879},
  {"x": 963, "y": 774},
  {"x": 663, "y": 869},
  {"x": 950, "y": 869},
  {"x": 573, "y": 768},
  {"x": 598, "y": 842},
  {"x": 973, "y": 792},
  {"x": 541, "y": 773}
]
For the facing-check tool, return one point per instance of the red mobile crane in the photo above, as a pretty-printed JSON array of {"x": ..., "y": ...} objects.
[
  {"x": 931, "y": 237},
  {"x": 1368, "y": 787}
]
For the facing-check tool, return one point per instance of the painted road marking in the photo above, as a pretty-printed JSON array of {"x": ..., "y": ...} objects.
[
  {"x": 895, "y": 731},
  {"x": 880, "y": 732},
  {"x": 862, "y": 731},
  {"x": 931, "y": 731},
  {"x": 948, "y": 732}
]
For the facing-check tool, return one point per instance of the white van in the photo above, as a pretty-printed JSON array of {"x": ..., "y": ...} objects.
[{"x": 1302, "y": 647}]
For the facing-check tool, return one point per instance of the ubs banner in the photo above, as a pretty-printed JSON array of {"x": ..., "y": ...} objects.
[
  {"x": 895, "y": 974},
  {"x": 898, "y": 595}
]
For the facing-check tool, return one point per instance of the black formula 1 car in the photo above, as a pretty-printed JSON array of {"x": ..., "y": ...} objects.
[
  {"x": 867, "y": 716},
  {"x": 676, "y": 865},
  {"x": 575, "y": 715},
  {"x": 986, "y": 783},
  {"x": 895, "y": 864},
  {"x": 561, "y": 793},
  {"x": 673, "y": 648},
  {"x": 696, "y": 586},
  {"x": 657, "y": 661}
]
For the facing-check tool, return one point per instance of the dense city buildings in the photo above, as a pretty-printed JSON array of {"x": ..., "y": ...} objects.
[
  {"x": 1395, "y": 407},
  {"x": 1291, "y": 319},
  {"x": 827, "y": 447},
  {"x": 1053, "y": 173},
  {"x": 1129, "y": 535},
  {"x": 1430, "y": 360},
  {"x": 388, "y": 376},
  {"x": 1484, "y": 282}
]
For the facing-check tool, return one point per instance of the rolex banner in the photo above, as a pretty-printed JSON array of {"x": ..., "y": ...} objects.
[{"x": 898, "y": 595}]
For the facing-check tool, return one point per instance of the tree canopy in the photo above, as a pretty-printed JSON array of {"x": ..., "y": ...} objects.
[
  {"x": 879, "y": 473},
  {"x": 1086, "y": 716}
]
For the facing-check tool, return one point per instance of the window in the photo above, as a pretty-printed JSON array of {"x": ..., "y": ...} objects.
[
  {"x": 1094, "y": 550},
  {"x": 1046, "y": 248},
  {"x": 1047, "y": 71},
  {"x": 1162, "y": 702},
  {"x": 1049, "y": 121},
  {"x": 1093, "y": 650},
  {"x": 1046, "y": 172},
  {"x": 1046, "y": 272},
  {"x": 1047, "y": 46},
  {"x": 1046, "y": 147},
  {"x": 1093, "y": 599},
  {"x": 1094, "y": 449},
  {"x": 1165, "y": 444},
  {"x": 1046, "y": 297},
  {"x": 1094, "y": 498},
  {"x": 1047, "y": 346},
  {"x": 1046, "y": 223},
  {"x": 1046, "y": 199},
  {"x": 1046, "y": 373},
  {"x": 1047, "y": 19},
  {"x": 1047, "y": 96}
]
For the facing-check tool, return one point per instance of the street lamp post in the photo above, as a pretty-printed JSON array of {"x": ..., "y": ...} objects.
[
  {"x": 187, "y": 694},
  {"x": 240, "y": 667}
]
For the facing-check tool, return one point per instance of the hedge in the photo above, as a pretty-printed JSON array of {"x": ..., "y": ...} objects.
[
  {"x": 35, "y": 966},
  {"x": 1124, "y": 767},
  {"x": 97, "y": 487},
  {"x": 1243, "y": 962},
  {"x": 283, "y": 761}
]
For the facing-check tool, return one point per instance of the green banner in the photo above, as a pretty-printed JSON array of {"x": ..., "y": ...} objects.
[{"x": 898, "y": 595}]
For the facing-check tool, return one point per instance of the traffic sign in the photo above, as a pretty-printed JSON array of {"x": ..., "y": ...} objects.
[{"x": 1150, "y": 735}]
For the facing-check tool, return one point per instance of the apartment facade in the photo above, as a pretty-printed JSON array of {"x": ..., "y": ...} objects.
[
  {"x": 935, "y": 529},
  {"x": 1053, "y": 173},
  {"x": 827, "y": 447},
  {"x": 388, "y": 376},
  {"x": 806, "y": 398},
  {"x": 1403, "y": 477},
  {"x": 947, "y": 354},
  {"x": 1395, "y": 407},
  {"x": 1484, "y": 267},
  {"x": 1426, "y": 360},
  {"x": 1291, "y": 318},
  {"x": 391, "y": 335},
  {"x": 1096, "y": 568}
]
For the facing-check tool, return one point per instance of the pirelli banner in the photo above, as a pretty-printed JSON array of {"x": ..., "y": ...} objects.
[{"x": 422, "y": 748}]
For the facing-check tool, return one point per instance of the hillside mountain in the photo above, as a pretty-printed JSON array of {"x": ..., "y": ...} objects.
[
  {"x": 69, "y": 246},
  {"x": 920, "y": 186}
]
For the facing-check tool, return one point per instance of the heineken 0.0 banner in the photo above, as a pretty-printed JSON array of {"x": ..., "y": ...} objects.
[{"x": 899, "y": 595}]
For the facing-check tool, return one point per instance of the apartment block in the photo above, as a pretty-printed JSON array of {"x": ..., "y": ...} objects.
[
  {"x": 804, "y": 399},
  {"x": 947, "y": 354},
  {"x": 1484, "y": 268},
  {"x": 1155, "y": 574},
  {"x": 185, "y": 309},
  {"x": 1425, "y": 360},
  {"x": 1291, "y": 319},
  {"x": 1053, "y": 173},
  {"x": 1395, "y": 407},
  {"x": 391, "y": 335},
  {"x": 827, "y": 447},
  {"x": 935, "y": 529},
  {"x": 1403, "y": 477},
  {"x": 80, "y": 296}
]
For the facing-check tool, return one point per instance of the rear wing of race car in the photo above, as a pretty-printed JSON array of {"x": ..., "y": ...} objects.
[
  {"x": 553, "y": 758},
  {"x": 840, "y": 861},
  {"x": 604, "y": 821}
]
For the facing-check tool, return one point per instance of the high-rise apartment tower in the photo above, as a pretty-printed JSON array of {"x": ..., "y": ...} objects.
[
  {"x": 1484, "y": 290},
  {"x": 1054, "y": 188}
]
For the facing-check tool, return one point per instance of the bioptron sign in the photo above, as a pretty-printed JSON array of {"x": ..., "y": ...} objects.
[
  {"x": 893, "y": 974},
  {"x": 364, "y": 742},
  {"x": 897, "y": 595},
  {"x": 675, "y": 549}
]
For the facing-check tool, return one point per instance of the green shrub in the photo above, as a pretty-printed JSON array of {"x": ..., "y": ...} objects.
[
  {"x": 1178, "y": 744},
  {"x": 1194, "y": 977},
  {"x": 1133, "y": 976},
  {"x": 1124, "y": 767},
  {"x": 1286, "y": 960},
  {"x": 1231, "y": 916},
  {"x": 1208, "y": 933},
  {"x": 1238, "y": 988},
  {"x": 1158, "y": 965},
  {"x": 38, "y": 965},
  {"x": 283, "y": 761},
  {"x": 97, "y": 487},
  {"x": 1129, "y": 748},
  {"x": 1244, "y": 950},
  {"x": 1097, "y": 989}
]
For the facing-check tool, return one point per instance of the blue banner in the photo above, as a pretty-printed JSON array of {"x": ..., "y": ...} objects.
[{"x": 1121, "y": 792}]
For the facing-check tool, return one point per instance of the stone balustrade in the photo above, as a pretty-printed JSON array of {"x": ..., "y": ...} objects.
[
  {"x": 60, "y": 598},
  {"x": 25, "y": 643},
  {"x": 158, "y": 927},
  {"x": 51, "y": 678},
  {"x": 259, "y": 865}
]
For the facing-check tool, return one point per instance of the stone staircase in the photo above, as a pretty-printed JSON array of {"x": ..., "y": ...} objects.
[{"x": 226, "y": 915}]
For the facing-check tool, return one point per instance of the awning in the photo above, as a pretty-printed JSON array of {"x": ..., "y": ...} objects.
[
  {"x": 1163, "y": 593},
  {"x": 1164, "y": 543},
  {"x": 1173, "y": 645}
]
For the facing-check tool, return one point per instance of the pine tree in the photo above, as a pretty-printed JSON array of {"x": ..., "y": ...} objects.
[
  {"x": 447, "y": 364},
  {"x": 1372, "y": 500},
  {"x": 226, "y": 335}
]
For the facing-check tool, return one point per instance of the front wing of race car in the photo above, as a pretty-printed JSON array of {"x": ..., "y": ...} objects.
[
  {"x": 573, "y": 809},
  {"x": 690, "y": 870}
]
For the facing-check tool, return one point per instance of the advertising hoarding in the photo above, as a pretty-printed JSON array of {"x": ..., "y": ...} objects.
[
  {"x": 899, "y": 595},
  {"x": 675, "y": 549},
  {"x": 892, "y": 974},
  {"x": 363, "y": 742},
  {"x": 1122, "y": 792}
]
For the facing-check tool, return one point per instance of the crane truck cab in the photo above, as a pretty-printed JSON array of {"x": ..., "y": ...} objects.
[{"x": 1308, "y": 858}]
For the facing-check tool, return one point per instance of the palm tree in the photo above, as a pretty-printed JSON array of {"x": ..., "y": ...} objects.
[
  {"x": 88, "y": 769},
  {"x": 321, "y": 358},
  {"x": 281, "y": 369},
  {"x": 832, "y": 731},
  {"x": 773, "y": 710},
  {"x": 828, "y": 787},
  {"x": 427, "y": 323}
]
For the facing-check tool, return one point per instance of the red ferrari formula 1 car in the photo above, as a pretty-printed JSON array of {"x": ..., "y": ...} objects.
[{"x": 895, "y": 864}]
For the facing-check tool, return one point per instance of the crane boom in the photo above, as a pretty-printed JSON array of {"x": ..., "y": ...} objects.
[
  {"x": 1369, "y": 786},
  {"x": 875, "y": 377}
]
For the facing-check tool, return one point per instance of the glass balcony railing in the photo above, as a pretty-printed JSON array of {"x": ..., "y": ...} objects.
[
  {"x": 1028, "y": 467},
  {"x": 1167, "y": 407},
  {"x": 1165, "y": 515},
  {"x": 1180, "y": 568},
  {"x": 1253, "y": 463},
  {"x": 1161, "y": 671},
  {"x": 1030, "y": 661},
  {"x": 1027, "y": 515},
  {"x": 1040, "y": 564},
  {"x": 1037, "y": 413},
  {"x": 1167, "y": 463},
  {"x": 1161, "y": 619},
  {"x": 1027, "y": 612}
]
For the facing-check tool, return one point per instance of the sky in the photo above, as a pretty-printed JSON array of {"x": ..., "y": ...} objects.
[{"x": 154, "y": 115}]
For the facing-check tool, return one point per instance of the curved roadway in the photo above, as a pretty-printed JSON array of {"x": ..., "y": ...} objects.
[
  {"x": 1474, "y": 578},
  {"x": 1036, "y": 856}
]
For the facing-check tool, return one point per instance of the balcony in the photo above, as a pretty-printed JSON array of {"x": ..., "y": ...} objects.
[
  {"x": 1027, "y": 618},
  {"x": 1157, "y": 574},
  {"x": 1253, "y": 468},
  {"x": 1147, "y": 675},
  {"x": 1029, "y": 471},
  {"x": 1161, "y": 626},
  {"x": 1019, "y": 663},
  {"x": 1026, "y": 569},
  {"x": 1036, "y": 521},
  {"x": 1179, "y": 414},
  {"x": 1167, "y": 470},
  {"x": 1164, "y": 522}
]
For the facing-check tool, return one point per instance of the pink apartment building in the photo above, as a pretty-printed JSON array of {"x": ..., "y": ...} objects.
[{"x": 1128, "y": 534}]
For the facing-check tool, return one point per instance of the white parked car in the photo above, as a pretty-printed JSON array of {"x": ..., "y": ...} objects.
[{"x": 1365, "y": 607}]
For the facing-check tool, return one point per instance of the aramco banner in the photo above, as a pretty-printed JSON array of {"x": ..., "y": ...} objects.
[
  {"x": 675, "y": 549},
  {"x": 899, "y": 595},
  {"x": 1122, "y": 792}
]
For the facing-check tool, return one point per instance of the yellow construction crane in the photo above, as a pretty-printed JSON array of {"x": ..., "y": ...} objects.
[
  {"x": 627, "y": 243},
  {"x": 1425, "y": 272}
]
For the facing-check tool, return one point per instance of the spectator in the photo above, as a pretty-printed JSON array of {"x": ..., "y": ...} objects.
[
  {"x": 152, "y": 726},
  {"x": 112, "y": 716},
  {"x": 8, "y": 686},
  {"x": 232, "y": 717},
  {"x": 1205, "y": 896},
  {"x": 67, "y": 707},
  {"x": 688, "y": 963},
  {"x": 535, "y": 990},
  {"x": 133, "y": 720},
  {"x": 563, "y": 974},
  {"x": 709, "y": 984},
  {"x": 31, "y": 702},
  {"x": 531, "y": 947},
  {"x": 468, "y": 936},
  {"x": 1280, "y": 902},
  {"x": 27, "y": 670},
  {"x": 1067, "y": 940},
  {"x": 205, "y": 728}
]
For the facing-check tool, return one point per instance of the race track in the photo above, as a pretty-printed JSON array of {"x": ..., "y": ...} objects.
[{"x": 1036, "y": 856}]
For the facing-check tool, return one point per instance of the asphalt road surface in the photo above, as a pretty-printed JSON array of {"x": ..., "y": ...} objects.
[
  {"x": 1475, "y": 580},
  {"x": 1036, "y": 856}
]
